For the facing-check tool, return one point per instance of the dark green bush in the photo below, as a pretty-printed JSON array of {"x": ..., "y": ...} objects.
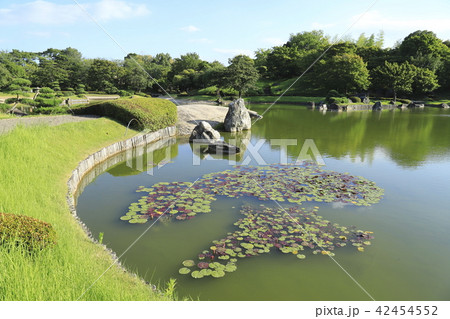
[
  {"x": 51, "y": 110},
  {"x": 46, "y": 95},
  {"x": 333, "y": 93},
  {"x": 30, "y": 102},
  {"x": 355, "y": 99},
  {"x": 42, "y": 102},
  {"x": 11, "y": 100},
  {"x": 23, "y": 230},
  {"x": 151, "y": 113},
  {"x": 124, "y": 93},
  {"x": 337, "y": 100},
  {"x": 46, "y": 90}
]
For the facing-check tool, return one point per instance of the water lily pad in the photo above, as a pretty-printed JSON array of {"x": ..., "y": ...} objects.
[
  {"x": 184, "y": 271},
  {"x": 188, "y": 263},
  {"x": 196, "y": 274}
]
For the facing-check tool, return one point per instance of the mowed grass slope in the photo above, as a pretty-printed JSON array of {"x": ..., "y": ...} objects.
[{"x": 35, "y": 164}]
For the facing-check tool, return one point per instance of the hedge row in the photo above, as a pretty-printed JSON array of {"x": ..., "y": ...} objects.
[
  {"x": 27, "y": 231},
  {"x": 150, "y": 113}
]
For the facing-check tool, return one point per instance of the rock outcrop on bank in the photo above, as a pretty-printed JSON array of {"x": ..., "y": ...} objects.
[{"x": 237, "y": 118}]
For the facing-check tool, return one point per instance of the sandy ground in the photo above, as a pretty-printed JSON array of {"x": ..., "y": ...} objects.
[
  {"x": 9, "y": 124},
  {"x": 191, "y": 114}
]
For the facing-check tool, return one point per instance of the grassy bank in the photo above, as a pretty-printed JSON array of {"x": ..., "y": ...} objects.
[
  {"x": 35, "y": 164},
  {"x": 148, "y": 113}
]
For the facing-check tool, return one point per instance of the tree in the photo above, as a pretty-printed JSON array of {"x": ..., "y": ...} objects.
[
  {"x": 346, "y": 72},
  {"x": 19, "y": 86},
  {"x": 103, "y": 75},
  {"x": 397, "y": 77},
  {"x": 425, "y": 81},
  {"x": 5, "y": 77},
  {"x": 424, "y": 42},
  {"x": 241, "y": 74}
]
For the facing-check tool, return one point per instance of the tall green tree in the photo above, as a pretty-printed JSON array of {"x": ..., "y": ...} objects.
[
  {"x": 241, "y": 74},
  {"x": 103, "y": 75},
  {"x": 345, "y": 73},
  {"x": 397, "y": 77}
]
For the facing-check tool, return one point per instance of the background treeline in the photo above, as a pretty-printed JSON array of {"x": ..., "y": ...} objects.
[{"x": 418, "y": 66}]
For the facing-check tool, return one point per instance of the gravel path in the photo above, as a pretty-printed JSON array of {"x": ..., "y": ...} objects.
[
  {"x": 9, "y": 124},
  {"x": 191, "y": 114}
]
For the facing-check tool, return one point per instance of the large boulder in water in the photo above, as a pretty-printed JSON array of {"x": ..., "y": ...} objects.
[
  {"x": 237, "y": 118},
  {"x": 204, "y": 131}
]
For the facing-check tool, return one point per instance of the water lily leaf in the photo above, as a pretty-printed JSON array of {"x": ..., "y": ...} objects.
[
  {"x": 184, "y": 271},
  {"x": 188, "y": 263}
]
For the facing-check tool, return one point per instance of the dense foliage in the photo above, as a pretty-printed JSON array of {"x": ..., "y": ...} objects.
[
  {"x": 421, "y": 62},
  {"x": 27, "y": 231},
  {"x": 149, "y": 113}
]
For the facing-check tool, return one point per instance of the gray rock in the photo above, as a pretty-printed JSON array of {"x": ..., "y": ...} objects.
[
  {"x": 204, "y": 131},
  {"x": 237, "y": 118},
  {"x": 366, "y": 100},
  {"x": 220, "y": 147},
  {"x": 403, "y": 106},
  {"x": 416, "y": 105},
  {"x": 377, "y": 106},
  {"x": 444, "y": 106},
  {"x": 311, "y": 105},
  {"x": 323, "y": 107},
  {"x": 254, "y": 114}
]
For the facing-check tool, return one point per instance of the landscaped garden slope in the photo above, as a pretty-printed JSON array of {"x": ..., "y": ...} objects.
[
  {"x": 35, "y": 164},
  {"x": 150, "y": 113}
]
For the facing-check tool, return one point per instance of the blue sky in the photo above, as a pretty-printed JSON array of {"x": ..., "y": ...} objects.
[{"x": 217, "y": 30}]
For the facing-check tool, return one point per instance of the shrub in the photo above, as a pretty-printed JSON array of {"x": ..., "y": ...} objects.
[
  {"x": 4, "y": 108},
  {"x": 151, "y": 113},
  {"x": 46, "y": 95},
  {"x": 51, "y": 110},
  {"x": 337, "y": 100},
  {"x": 124, "y": 93},
  {"x": 42, "y": 102},
  {"x": 333, "y": 93},
  {"x": 81, "y": 89},
  {"x": 46, "y": 90},
  {"x": 355, "y": 99},
  {"x": 23, "y": 230},
  {"x": 30, "y": 102},
  {"x": 210, "y": 90},
  {"x": 11, "y": 100}
]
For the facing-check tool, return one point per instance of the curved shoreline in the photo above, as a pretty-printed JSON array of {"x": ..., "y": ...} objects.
[{"x": 88, "y": 164}]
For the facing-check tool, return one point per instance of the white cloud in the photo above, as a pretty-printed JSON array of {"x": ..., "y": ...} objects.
[
  {"x": 377, "y": 20},
  {"x": 274, "y": 41},
  {"x": 50, "y": 13},
  {"x": 190, "y": 28},
  {"x": 234, "y": 52}
]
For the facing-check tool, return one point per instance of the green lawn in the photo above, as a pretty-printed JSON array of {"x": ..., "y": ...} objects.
[{"x": 35, "y": 164}]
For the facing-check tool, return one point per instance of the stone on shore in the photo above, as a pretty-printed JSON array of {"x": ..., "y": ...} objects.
[
  {"x": 204, "y": 131},
  {"x": 237, "y": 118}
]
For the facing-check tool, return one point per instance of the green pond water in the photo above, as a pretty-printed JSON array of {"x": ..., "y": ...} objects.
[{"x": 407, "y": 153}]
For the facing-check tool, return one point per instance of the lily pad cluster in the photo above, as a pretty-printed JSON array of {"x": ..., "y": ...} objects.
[
  {"x": 291, "y": 231},
  {"x": 291, "y": 183},
  {"x": 176, "y": 199}
]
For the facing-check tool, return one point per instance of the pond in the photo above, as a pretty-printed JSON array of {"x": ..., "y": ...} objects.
[{"x": 406, "y": 153}]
